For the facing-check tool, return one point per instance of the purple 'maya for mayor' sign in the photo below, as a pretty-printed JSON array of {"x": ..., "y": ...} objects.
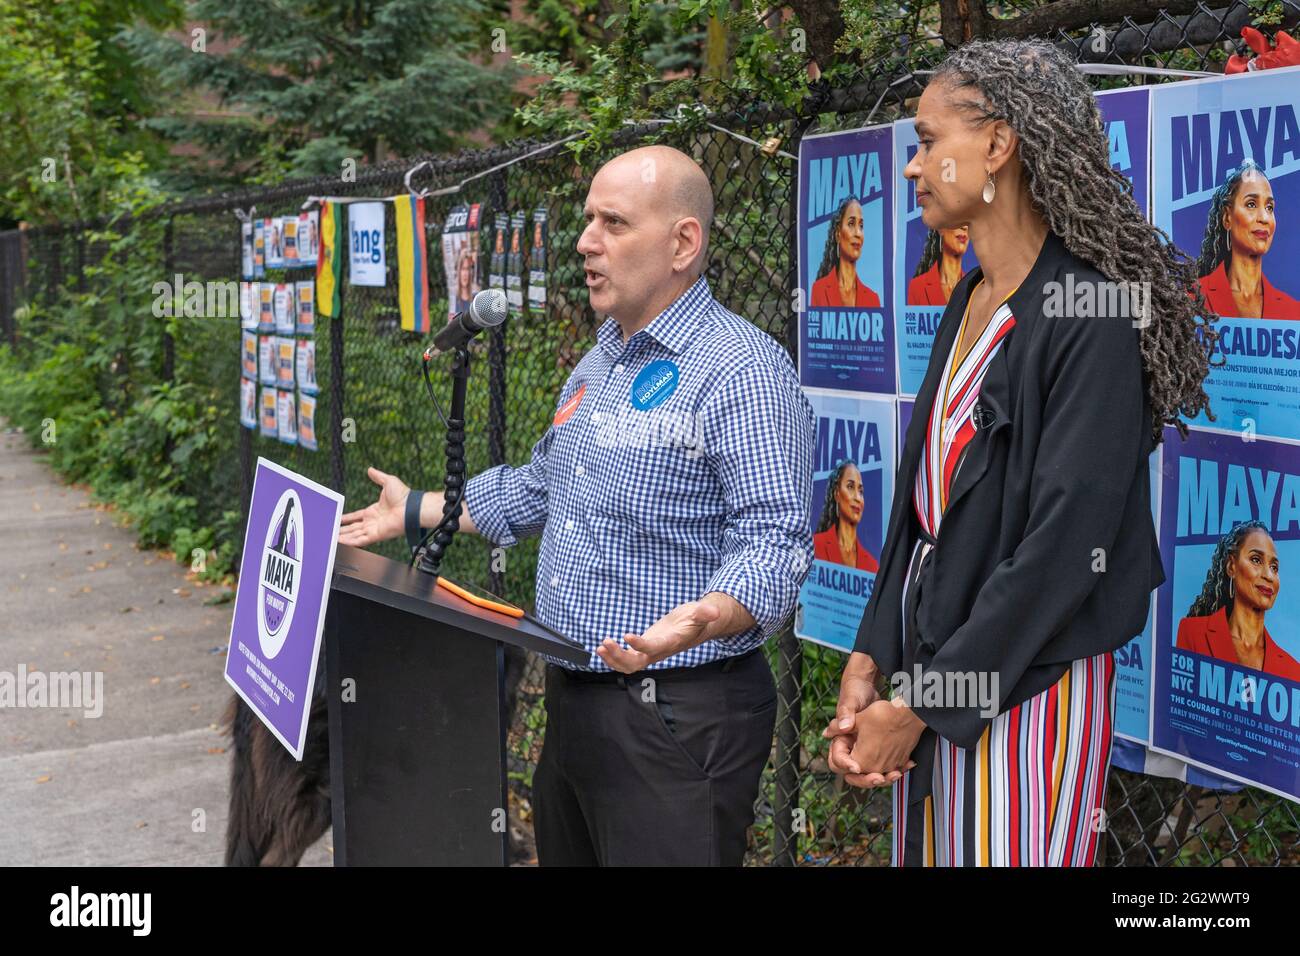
[{"x": 284, "y": 580}]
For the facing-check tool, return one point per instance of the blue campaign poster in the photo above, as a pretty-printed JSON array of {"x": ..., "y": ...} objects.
[
  {"x": 1133, "y": 660},
  {"x": 853, "y": 485},
  {"x": 905, "y": 406},
  {"x": 1226, "y": 683},
  {"x": 1126, "y": 116},
  {"x": 930, "y": 264},
  {"x": 1225, "y": 175},
  {"x": 845, "y": 229}
]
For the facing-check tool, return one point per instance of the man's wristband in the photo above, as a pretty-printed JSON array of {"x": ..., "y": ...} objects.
[{"x": 413, "y": 533}]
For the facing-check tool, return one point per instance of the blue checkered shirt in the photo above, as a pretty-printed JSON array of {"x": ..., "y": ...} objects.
[{"x": 645, "y": 502}]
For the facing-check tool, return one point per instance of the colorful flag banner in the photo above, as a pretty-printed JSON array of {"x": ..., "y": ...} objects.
[
  {"x": 412, "y": 263},
  {"x": 330, "y": 261}
]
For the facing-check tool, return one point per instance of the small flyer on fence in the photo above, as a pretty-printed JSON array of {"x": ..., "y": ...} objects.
[
  {"x": 307, "y": 421},
  {"x": 274, "y": 243},
  {"x": 515, "y": 263},
  {"x": 366, "y": 263},
  {"x": 285, "y": 319},
  {"x": 537, "y": 264},
  {"x": 247, "y": 403},
  {"x": 248, "y": 355},
  {"x": 306, "y": 300},
  {"x": 460, "y": 257},
  {"x": 246, "y": 250},
  {"x": 307, "y": 365},
  {"x": 289, "y": 230},
  {"x": 270, "y": 428},
  {"x": 266, "y": 307},
  {"x": 266, "y": 359},
  {"x": 308, "y": 237},
  {"x": 259, "y": 249},
  {"x": 248, "y": 305},
  {"x": 284, "y": 350},
  {"x": 497, "y": 263},
  {"x": 286, "y": 416}
]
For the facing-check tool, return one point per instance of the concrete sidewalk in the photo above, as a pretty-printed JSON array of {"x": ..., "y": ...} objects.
[{"x": 145, "y": 783}]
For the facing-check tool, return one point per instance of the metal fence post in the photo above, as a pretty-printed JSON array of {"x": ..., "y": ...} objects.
[
  {"x": 336, "y": 395},
  {"x": 168, "y": 344},
  {"x": 789, "y": 658},
  {"x": 496, "y": 368}
]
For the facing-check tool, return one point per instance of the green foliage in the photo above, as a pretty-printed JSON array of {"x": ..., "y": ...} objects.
[
  {"x": 305, "y": 84},
  {"x": 68, "y": 98},
  {"x": 594, "y": 90},
  {"x": 86, "y": 384}
]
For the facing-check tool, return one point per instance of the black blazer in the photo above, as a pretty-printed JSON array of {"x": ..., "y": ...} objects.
[{"x": 1056, "y": 470}]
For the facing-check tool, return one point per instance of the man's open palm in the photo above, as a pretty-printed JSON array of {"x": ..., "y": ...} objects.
[{"x": 385, "y": 519}]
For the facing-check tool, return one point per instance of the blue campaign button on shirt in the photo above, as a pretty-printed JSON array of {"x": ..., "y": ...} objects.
[{"x": 656, "y": 382}]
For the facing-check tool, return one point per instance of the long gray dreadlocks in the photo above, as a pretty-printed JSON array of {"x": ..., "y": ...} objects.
[
  {"x": 1214, "y": 593},
  {"x": 1037, "y": 91},
  {"x": 1215, "y": 246}
]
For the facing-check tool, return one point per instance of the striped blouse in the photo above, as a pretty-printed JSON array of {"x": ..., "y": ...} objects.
[{"x": 949, "y": 430}]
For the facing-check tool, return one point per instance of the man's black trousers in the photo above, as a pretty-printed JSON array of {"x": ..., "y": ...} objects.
[{"x": 658, "y": 768}]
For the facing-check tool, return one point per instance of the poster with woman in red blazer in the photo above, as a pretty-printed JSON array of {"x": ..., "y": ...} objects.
[
  {"x": 1225, "y": 677},
  {"x": 1225, "y": 174},
  {"x": 1238, "y": 236}
]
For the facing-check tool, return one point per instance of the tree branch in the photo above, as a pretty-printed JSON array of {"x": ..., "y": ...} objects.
[
  {"x": 1073, "y": 14},
  {"x": 823, "y": 26}
]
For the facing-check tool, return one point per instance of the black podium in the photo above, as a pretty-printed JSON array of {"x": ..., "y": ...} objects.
[{"x": 417, "y": 758}]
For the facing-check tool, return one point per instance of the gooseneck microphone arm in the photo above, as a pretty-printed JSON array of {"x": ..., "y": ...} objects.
[
  {"x": 487, "y": 310},
  {"x": 428, "y": 557}
]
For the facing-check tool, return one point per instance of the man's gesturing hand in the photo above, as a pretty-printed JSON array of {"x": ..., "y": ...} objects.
[
  {"x": 680, "y": 628},
  {"x": 384, "y": 519}
]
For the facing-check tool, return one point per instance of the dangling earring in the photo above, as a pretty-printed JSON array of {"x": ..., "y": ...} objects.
[
  {"x": 990, "y": 189},
  {"x": 1232, "y": 590}
]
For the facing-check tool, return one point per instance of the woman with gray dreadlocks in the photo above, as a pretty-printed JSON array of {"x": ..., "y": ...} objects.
[
  {"x": 1226, "y": 621},
  {"x": 1020, "y": 551},
  {"x": 1239, "y": 232}
]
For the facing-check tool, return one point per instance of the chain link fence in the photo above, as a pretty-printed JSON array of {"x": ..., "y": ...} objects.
[{"x": 373, "y": 409}]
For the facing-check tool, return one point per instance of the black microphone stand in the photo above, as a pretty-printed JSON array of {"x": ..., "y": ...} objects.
[{"x": 429, "y": 558}]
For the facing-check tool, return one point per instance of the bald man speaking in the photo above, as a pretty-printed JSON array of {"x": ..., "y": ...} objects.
[{"x": 671, "y": 492}]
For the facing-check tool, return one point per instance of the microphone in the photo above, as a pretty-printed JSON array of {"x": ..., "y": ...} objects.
[{"x": 486, "y": 310}]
